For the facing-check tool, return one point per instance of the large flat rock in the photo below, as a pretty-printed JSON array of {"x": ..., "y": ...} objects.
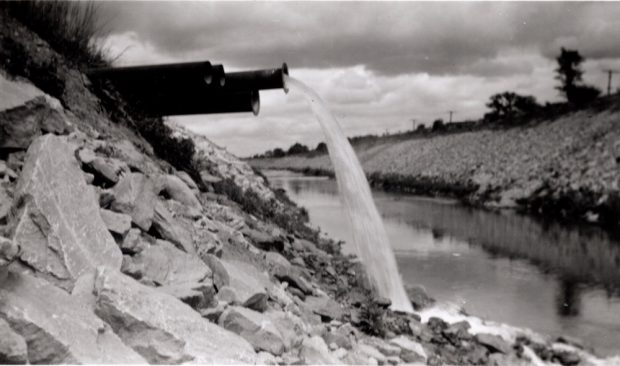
[
  {"x": 59, "y": 227},
  {"x": 56, "y": 327},
  {"x": 161, "y": 328}
]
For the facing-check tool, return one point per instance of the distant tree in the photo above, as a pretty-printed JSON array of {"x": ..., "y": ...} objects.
[
  {"x": 278, "y": 153},
  {"x": 568, "y": 71},
  {"x": 297, "y": 148},
  {"x": 420, "y": 128},
  {"x": 507, "y": 105},
  {"x": 321, "y": 147},
  {"x": 438, "y": 125}
]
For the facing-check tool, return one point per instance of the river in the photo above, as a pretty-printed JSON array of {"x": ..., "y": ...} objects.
[{"x": 501, "y": 266}]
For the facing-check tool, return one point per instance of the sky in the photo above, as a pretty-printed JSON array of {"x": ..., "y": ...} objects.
[{"x": 380, "y": 66}]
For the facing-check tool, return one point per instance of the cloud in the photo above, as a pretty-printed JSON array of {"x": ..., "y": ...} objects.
[
  {"x": 401, "y": 37},
  {"x": 377, "y": 65}
]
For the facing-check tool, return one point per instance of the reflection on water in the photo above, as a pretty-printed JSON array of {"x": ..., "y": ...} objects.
[{"x": 501, "y": 266}]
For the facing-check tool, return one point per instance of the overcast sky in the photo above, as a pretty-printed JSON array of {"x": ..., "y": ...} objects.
[{"x": 378, "y": 64}]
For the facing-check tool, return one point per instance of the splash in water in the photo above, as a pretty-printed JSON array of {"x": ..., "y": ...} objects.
[{"x": 369, "y": 235}]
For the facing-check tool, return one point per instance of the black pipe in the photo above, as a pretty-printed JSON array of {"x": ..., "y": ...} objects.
[
  {"x": 190, "y": 88},
  {"x": 257, "y": 79},
  {"x": 185, "y": 104}
]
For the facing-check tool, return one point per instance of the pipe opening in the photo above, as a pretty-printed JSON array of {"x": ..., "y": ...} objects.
[
  {"x": 219, "y": 75},
  {"x": 255, "y": 102},
  {"x": 284, "y": 72}
]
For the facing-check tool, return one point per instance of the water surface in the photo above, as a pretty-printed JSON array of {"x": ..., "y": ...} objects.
[{"x": 504, "y": 267}]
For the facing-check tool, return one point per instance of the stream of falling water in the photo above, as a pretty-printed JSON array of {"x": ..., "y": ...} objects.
[{"x": 369, "y": 235}]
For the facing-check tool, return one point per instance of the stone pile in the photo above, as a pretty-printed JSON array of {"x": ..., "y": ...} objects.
[{"x": 110, "y": 255}]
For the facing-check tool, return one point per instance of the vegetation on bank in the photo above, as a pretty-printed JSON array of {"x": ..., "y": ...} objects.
[{"x": 70, "y": 27}]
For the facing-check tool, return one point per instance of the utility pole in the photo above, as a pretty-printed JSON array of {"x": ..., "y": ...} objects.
[
  {"x": 413, "y": 123},
  {"x": 450, "y": 121},
  {"x": 609, "y": 73}
]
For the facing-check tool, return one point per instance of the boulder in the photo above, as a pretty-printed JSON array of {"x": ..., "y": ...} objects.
[
  {"x": 16, "y": 92},
  {"x": 565, "y": 357},
  {"x": 290, "y": 326},
  {"x": 209, "y": 178},
  {"x": 85, "y": 155},
  {"x": 135, "y": 195},
  {"x": 107, "y": 171},
  {"x": 370, "y": 352},
  {"x": 213, "y": 314},
  {"x": 6, "y": 174},
  {"x": 493, "y": 343},
  {"x": 59, "y": 226},
  {"x": 228, "y": 295},
  {"x": 5, "y": 205},
  {"x": 19, "y": 126},
  {"x": 174, "y": 187},
  {"x": 165, "y": 264},
  {"x": 134, "y": 242},
  {"x": 277, "y": 293},
  {"x": 15, "y": 160},
  {"x": 183, "y": 210},
  {"x": 266, "y": 358},
  {"x": 12, "y": 346},
  {"x": 257, "y": 302},
  {"x": 411, "y": 351},
  {"x": 294, "y": 278},
  {"x": 56, "y": 328},
  {"x": 197, "y": 295},
  {"x": 418, "y": 297},
  {"x": 166, "y": 225},
  {"x": 254, "y": 327},
  {"x": 264, "y": 240},
  {"x": 457, "y": 332},
  {"x": 126, "y": 151},
  {"x": 187, "y": 180},
  {"x": 246, "y": 279},
  {"x": 220, "y": 275},
  {"x": 118, "y": 223},
  {"x": 180, "y": 274},
  {"x": 315, "y": 352},
  {"x": 384, "y": 347},
  {"x": 163, "y": 329},
  {"x": 339, "y": 337},
  {"x": 8, "y": 251},
  {"x": 325, "y": 307},
  {"x": 276, "y": 259}
]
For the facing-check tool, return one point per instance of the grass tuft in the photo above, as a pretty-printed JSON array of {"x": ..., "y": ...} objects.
[{"x": 70, "y": 28}]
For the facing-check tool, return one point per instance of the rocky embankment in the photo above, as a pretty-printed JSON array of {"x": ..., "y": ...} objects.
[
  {"x": 568, "y": 167},
  {"x": 109, "y": 254}
]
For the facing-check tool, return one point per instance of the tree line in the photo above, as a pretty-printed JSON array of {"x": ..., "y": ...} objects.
[{"x": 508, "y": 106}]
